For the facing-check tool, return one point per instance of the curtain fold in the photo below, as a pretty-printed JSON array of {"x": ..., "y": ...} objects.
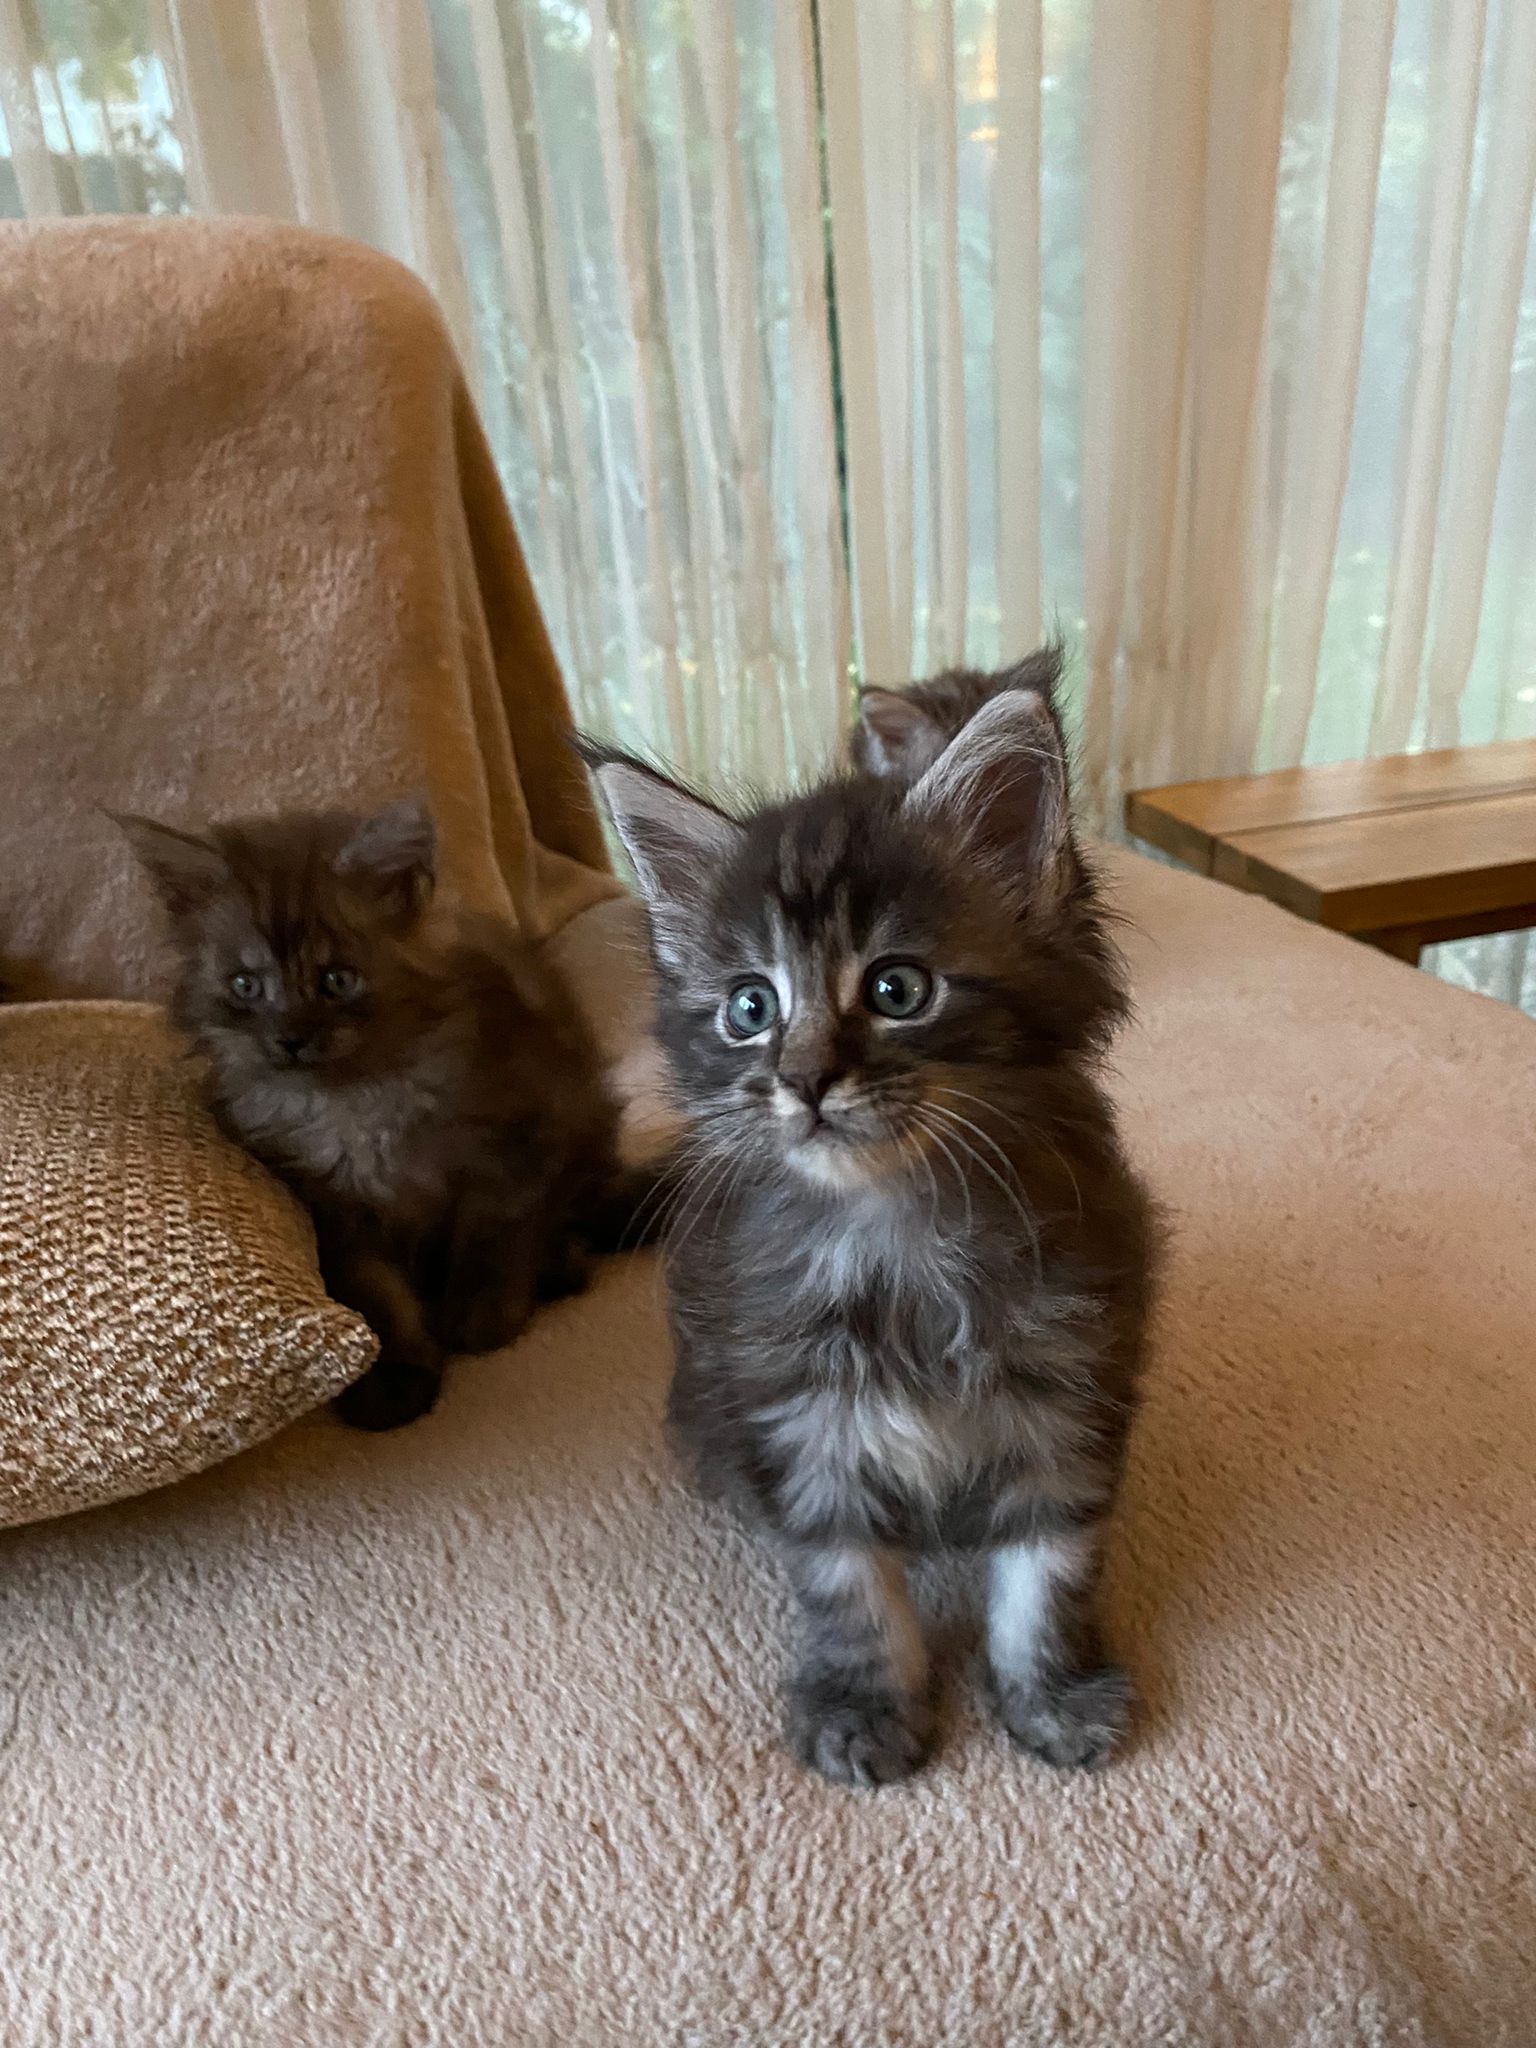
[
  {"x": 830, "y": 340},
  {"x": 619, "y": 208}
]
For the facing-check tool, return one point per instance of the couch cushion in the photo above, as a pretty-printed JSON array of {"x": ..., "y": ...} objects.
[{"x": 160, "y": 1307}]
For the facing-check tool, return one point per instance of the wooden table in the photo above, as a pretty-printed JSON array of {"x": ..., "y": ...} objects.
[{"x": 1402, "y": 852}]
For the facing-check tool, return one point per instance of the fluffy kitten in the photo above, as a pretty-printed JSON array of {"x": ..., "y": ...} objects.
[
  {"x": 909, "y": 1290},
  {"x": 421, "y": 1082},
  {"x": 902, "y": 732}
]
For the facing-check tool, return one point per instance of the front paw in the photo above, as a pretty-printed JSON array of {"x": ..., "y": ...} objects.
[
  {"x": 858, "y": 1737},
  {"x": 1074, "y": 1720},
  {"x": 390, "y": 1394}
]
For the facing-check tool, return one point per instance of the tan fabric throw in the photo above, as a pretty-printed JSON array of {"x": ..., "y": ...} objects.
[
  {"x": 159, "y": 1303},
  {"x": 253, "y": 553}
]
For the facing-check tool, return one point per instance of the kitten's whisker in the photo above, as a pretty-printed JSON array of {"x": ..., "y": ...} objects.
[
  {"x": 1010, "y": 1170},
  {"x": 654, "y": 1203},
  {"x": 958, "y": 1170},
  {"x": 1030, "y": 1132},
  {"x": 680, "y": 1209},
  {"x": 645, "y": 1212},
  {"x": 1012, "y": 1197},
  {"x": 698, "y": 1187},
  {"x": 691, "y": 1165},
  {"x": 908, "y": 1142},
  {"x": 702, "y": 1188},
  {"x": 1066, "y": 1167},
  {"x": 991, "y": 1143}
]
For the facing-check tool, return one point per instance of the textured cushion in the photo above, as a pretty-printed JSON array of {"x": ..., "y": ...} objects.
[{"x": 160, "y": 1306}]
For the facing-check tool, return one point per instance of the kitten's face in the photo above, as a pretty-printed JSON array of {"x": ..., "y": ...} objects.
[
  {"x": 295, "y": 936},
  {"x": 850, "y": 980},
  {"x": 838, "y": 998}
]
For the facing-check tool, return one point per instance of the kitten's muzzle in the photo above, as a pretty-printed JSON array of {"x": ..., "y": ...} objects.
[
  {"x": 811, "y": 1107},
  {"x": 808, "y": 1087},
  {"x": 294, "y": 1049}
]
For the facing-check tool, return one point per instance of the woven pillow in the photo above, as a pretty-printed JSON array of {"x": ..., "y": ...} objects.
[{"x": 160, "y": 1305}]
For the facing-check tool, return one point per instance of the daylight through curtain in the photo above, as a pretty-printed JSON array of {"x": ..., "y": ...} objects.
[{"x": 878, "y": 335}]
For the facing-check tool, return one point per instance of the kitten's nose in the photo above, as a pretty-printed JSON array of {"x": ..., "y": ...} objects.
[
  {"x": 810, "y": 1085},
  {"x": 292, "y": 1046}
]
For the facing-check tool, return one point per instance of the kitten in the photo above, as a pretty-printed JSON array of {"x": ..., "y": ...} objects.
[
  {"x": 902, "y": 732},
  {"x": 910, "y": 1286},
  {"x": 419, "y": 1081}
]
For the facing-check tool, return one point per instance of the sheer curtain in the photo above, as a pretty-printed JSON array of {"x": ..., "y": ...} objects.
[
  {"x": 618, "y": 206},
  {"x": 1205, "y": 332},
  {"x": 867, "y": 336}
]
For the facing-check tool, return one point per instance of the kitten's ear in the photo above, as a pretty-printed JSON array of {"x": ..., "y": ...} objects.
[
  {"x": 1000, "y": 788},
  {"x": 1040, "y": 671},
  {"x": 188, "y": 872},
  {"x": 897, "y": 735},
  {"x": 395, "y": 853},
  {"x": 674, "y": 838}
]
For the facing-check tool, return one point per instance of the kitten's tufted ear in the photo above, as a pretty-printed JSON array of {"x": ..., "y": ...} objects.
[
  {"x": 395, "y": 853},
  {"x": 1039, "y": 671},
  {"x": 188, "y": 872},
  {"x": 896, "y": 735},
  {"x": 1000, "y": 787},
  {"x": 674, "y": 838}
]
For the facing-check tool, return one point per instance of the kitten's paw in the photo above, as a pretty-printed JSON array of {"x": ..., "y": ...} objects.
[
  {"x": 1075, "y": 1722},
  {"x": 388, "y": 1396},
  {"x": 858, "y": 1739}
]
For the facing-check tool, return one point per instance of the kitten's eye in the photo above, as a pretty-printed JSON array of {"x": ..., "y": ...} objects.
[
  {"x": 750, "y": 1008},
  {"x": 246, "y": 986},
  {"x": 340, "y": 984},
  {"x": 898, "y": 988}
]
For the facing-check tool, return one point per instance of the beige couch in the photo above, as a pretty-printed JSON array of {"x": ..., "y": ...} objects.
[{"x": 468, "y": 1735}]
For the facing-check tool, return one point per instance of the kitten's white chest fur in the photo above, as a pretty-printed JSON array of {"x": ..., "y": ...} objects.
[
  {"x": 836, "y": 1443},
  {"x": 904, "y": 1393},
  {"x": 843, "y": 1435},
  {"x": 363, "y": 1139}
]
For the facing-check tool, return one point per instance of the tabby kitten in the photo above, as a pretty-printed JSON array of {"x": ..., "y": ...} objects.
[
  {"x": 902, "y": 732},
  {"x": 420, "y": 1081},
  {"x": 909, "y": 1290}
]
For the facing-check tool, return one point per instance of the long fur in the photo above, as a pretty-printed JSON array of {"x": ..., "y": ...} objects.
[
  {"x": 445, "y": 1119},
  {"x": 910, "y": 1317}
]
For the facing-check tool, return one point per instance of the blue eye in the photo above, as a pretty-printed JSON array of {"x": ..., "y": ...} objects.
[
  {"x": 245, "y": 987},
  {"x": 340, "y": 984},
  {"x": 750, "y": 1008},
  {"x": 898, "y": 988}
]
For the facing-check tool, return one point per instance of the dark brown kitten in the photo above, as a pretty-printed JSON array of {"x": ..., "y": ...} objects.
[
  {"x": 418, "y": 1079},
  {"x": 909, "y": 1289},
  {"x": 902, "y": 732}
]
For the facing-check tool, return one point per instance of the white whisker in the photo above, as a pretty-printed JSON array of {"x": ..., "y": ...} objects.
[
  {"x": 938, "y": 1138},
  {"x": 1009, "y": 1193},
  {"x": 1031, "y": 1133}
]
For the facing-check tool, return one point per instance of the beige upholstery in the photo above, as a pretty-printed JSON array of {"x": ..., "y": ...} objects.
[
  {"x": 468, "y": 1735},
  {"x": 159, "y": 1304},
  {"x": 253, "y": 553}
]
